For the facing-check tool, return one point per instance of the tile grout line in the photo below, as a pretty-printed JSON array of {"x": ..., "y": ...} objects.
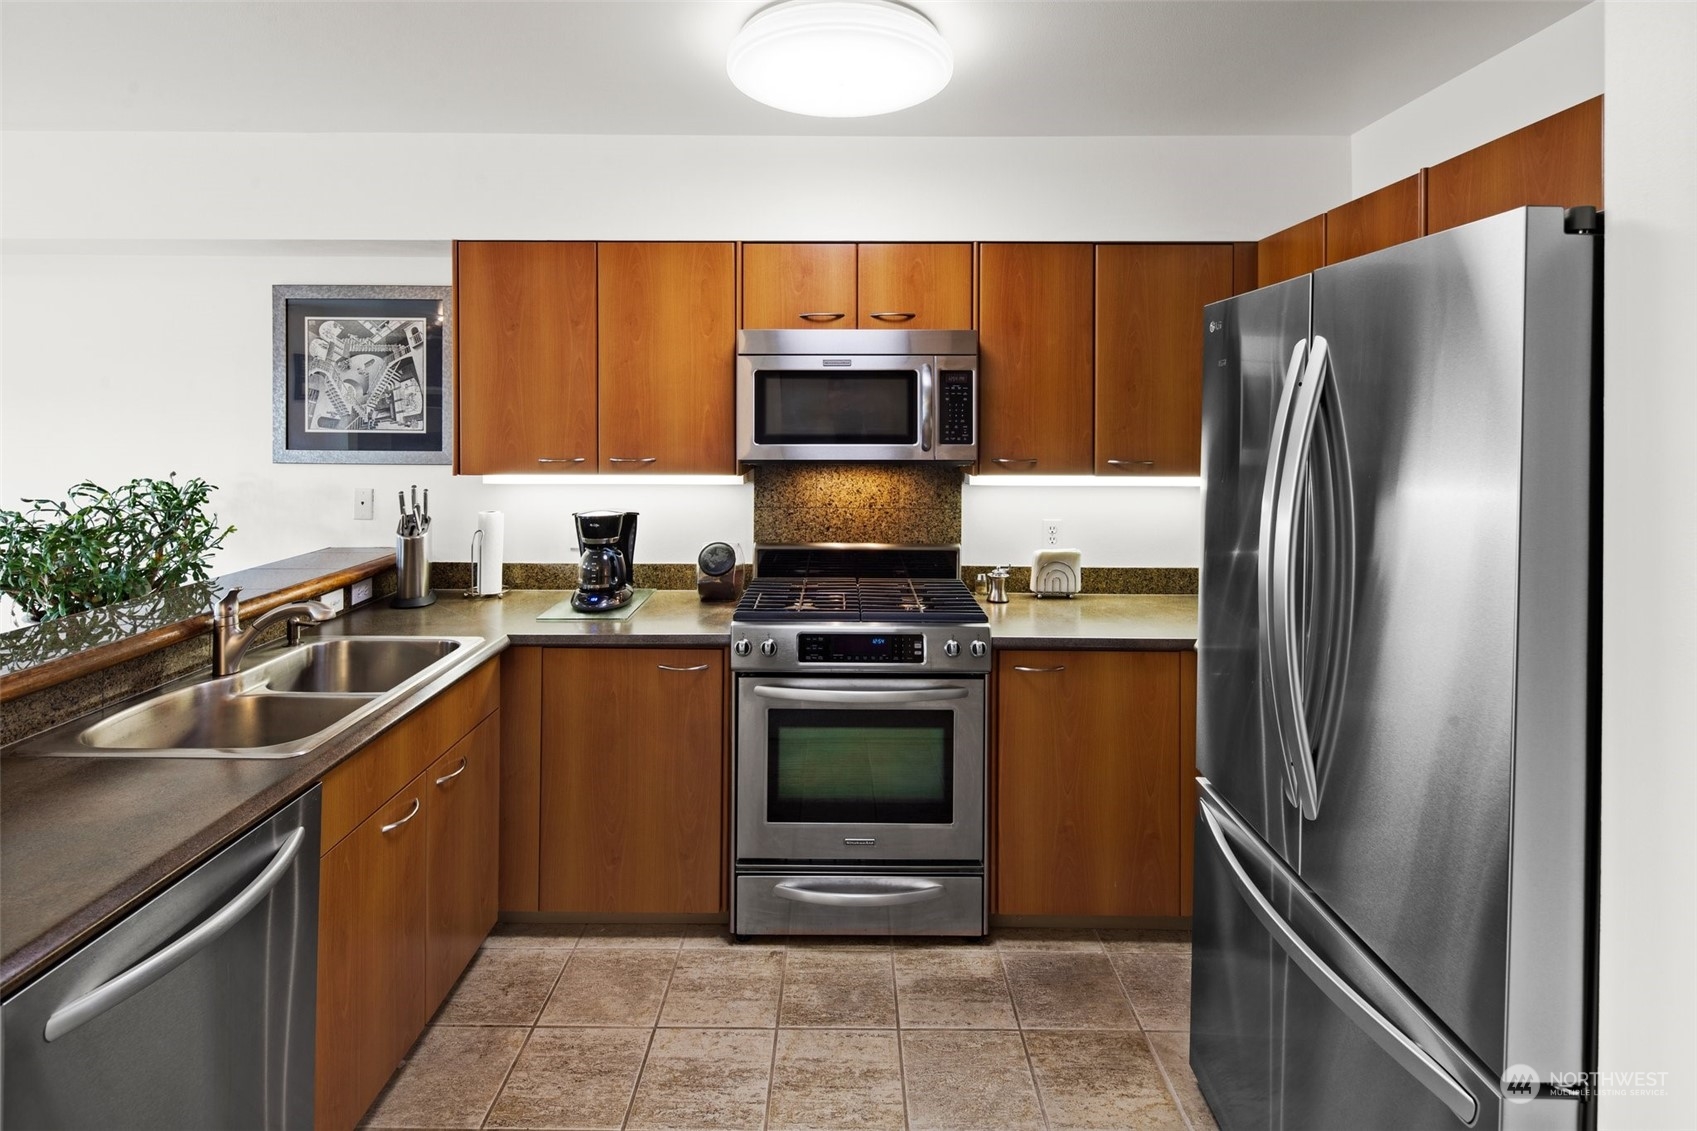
[
  {"x": 777, "y": 1020},
  {"x": 630, "y": 1101},
  {"x": 1154, "y": 1053},
  {"x": 506, "y": 1076},
  {"x": 901, "y": 1053},
  {"x": 1019, "y": 1027},
  {"x": 530, "y": 1030}
]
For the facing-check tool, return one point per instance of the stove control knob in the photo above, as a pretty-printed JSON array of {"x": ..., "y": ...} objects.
[
  {"x": 742, "y": 647},
  {"x": 951, "y": 648},
  {"x": 979, "y": 649},
  {"x": 768, "y": 647}
]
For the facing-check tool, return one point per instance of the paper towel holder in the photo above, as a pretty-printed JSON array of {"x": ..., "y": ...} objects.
[{"x": 477, "y": 569}]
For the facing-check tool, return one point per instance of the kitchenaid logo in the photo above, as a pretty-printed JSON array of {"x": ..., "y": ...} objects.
[{"x": 1522, "y": 1084}]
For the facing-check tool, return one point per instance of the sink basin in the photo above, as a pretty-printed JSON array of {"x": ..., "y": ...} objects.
[
  {"x": 351, "y": 664},
  {"x": 281, "y": 704},
  {"x": 208, "y": 718}
]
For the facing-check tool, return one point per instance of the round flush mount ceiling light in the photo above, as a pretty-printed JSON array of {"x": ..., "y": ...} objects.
[{"x": 839, "y": 58}]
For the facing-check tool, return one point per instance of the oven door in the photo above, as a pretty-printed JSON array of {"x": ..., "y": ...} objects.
[
  {"x": 836, "y": 407},
  {"x": 851, "y": 769}
]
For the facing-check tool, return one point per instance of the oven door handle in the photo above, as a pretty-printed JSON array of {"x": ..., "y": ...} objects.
[
  {"x": 808, "y": 694},
  {"x": 866, "y": 891}
]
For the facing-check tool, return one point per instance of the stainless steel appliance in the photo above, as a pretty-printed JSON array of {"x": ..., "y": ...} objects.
[
  {"x": 1394, "y": 901},
  {"x": 196, "y": 1011},
  {"x": 857, "y": 395},
  {"x": 860, "y": 744},
  {"x": 607, "y": 540}
]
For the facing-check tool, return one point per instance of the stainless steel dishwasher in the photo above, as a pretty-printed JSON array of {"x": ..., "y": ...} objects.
[{"x": 195, "y": 1011}]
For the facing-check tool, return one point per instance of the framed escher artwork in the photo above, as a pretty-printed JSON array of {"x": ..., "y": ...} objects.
[{"x": 361, "y": 375}]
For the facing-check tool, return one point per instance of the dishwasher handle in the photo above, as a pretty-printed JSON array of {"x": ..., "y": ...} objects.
[{"x": 151, "y": 969}]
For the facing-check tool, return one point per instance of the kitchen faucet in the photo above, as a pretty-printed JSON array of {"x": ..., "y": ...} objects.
[{"x": 230, "y": 639}]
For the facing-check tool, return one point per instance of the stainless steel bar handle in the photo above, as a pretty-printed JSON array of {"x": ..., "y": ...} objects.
[
  {"x": 1056, "y": 668},
  {"x": 393, "y": 825},
  {"x": 562, "y": 459},
  {"x": 1131, "y": 463},
  {"x": 872, "y": 893},
  {"x": 805, "y": 694},
  {"x": 1269, "y": 519},
  {"x": 149, "y": 970},
  {"x": 1285, "y": 670},
  {"x": 894, "y": 315},
  {"x": 632, "y": 459},
  {"x": 1416, "y": 1061},
  {"x": 926, "y": 393},
  {"x": 671, "y": 668},
  {"x": 448, "y": 777},
  {"x": 822, "y": 315},
  {"x": 1009, "y": 462}
]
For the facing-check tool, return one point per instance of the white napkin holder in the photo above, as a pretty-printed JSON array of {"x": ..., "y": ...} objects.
[{"x": 1057, "y": 573}]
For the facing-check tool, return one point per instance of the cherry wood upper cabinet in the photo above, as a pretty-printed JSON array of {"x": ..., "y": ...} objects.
[
  {"x": 798, "y": 286},
  {"x": 1149, "y": 300},
  {"x": 1297, "y": 250},
  {"x": 632, "y": 783},
  {"x": 1088, "y": 798},
  {"x": 1558, "y": 160},
  {"x": 1243, "y": 268},
  {"x": 524, "y": 367},
  {"x": 915, "y": 286},
  {"x": 667, "y": 338},
  {"x": 1381, "y": 219},
  {"x": 1036, "y": 312}
]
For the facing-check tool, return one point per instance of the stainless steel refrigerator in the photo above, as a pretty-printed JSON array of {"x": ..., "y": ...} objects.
[{"x": 1397, "y": 688}]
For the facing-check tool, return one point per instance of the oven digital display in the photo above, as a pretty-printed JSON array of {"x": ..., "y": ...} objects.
[{"x": 861, "y": 648}]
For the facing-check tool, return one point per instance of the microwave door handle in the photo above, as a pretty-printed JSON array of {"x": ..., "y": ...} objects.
[
  {"x": 926, "y": 392},
  {"x": 842, "y": 695}
]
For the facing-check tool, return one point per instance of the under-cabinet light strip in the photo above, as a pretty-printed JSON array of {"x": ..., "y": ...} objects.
[
  {"x": 1083, "y": 481},
  {"x": 616, "y": 480}
]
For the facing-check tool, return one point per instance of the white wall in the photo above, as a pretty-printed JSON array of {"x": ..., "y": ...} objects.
[
  {"x": 1559, "y": 67},
  {"x": 1648, "y": 994},
  {"x": 135, "y": 314}
]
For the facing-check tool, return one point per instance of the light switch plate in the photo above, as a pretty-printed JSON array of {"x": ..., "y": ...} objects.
[{"x": 360, "y": 591}]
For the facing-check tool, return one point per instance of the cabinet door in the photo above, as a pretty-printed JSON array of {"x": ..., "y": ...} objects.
[
  {"x": 1149, "y": 300},
  {"x": 1378, "y": 220},
  {"x": 1297, "y": 250},
  {"x": 1035, "y": 350},
  {"x": 524, "y": 340},
  {"x": 1088, "y": 795},
  {"x": 1558, "y": 160},
  {"x": 915, "y": 286},
  {"x": 798, "y": 286},
  {"x": 464, "y": 871},
  {"x": 632, "y": 776},
  {"x": 521, "y": 775},
  {"x": 371, "y": 932},
  {"x": 667, "y": 337}
]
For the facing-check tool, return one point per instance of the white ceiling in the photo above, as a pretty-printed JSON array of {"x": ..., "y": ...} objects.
[{"x": 1023, "y": 67}]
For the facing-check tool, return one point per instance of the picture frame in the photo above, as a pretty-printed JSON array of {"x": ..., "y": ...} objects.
[{"x": 361, "y": 374}]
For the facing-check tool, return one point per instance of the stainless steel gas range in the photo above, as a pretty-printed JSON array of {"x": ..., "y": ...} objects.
[{"x": 860, "y": 744}]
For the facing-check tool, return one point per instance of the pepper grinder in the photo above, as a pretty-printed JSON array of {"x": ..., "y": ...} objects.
[{"x": 997, "y": 582}]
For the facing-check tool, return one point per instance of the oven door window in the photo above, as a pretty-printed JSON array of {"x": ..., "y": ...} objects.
[
  {"x": 859, "y": 407},
  {"x": 860, "y": 767}
]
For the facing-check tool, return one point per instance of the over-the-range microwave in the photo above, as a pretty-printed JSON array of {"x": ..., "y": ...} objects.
[{"x": 857, "y": 395}]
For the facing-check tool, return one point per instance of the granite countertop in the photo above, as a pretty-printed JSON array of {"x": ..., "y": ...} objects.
[{"x": 84, "y": 840}]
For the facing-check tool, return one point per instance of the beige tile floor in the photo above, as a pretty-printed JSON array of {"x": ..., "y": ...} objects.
[{"x": 676, "y": 1027}]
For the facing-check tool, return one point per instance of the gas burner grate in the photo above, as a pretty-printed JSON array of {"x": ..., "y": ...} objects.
[{"x": 895, "y": 600}]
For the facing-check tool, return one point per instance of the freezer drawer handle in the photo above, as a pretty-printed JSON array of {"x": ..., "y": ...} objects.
[
  {"x": 839, "y": 695},
  {"x": 1414, "y": 1059},
  {"x": 151, "y": 969},
  {"x": 859, "y": 893}
]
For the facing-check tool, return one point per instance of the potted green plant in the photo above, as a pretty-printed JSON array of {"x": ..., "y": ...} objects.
[{"x": 100, "y": 546}]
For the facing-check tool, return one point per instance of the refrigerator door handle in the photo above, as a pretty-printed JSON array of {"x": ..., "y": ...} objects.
[
  {"x": 1414, "y": 1060},
  {"x": 1295, "y": 741},
  {"x": 1269, "y": 510}
]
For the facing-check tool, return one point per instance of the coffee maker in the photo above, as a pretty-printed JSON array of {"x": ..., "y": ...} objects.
[{"x": 607, "y": 540}]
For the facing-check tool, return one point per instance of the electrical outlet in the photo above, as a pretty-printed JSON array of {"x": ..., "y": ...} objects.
[
  {"x": 1050, "y": 532},
  {"x": 360, "y": 592},
  {"x": 364, "y": 499}
]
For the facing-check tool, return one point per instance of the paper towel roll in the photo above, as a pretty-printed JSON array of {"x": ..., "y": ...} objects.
[{"x": 492, "y": 541}]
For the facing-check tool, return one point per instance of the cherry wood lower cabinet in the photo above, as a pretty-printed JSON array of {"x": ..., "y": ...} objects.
[
  {"x": 1089, "y": 803},
  {"x": 633, "y": 757},
  {"x": 464, "y": 843},
  {"x": 407, "y": 886}
]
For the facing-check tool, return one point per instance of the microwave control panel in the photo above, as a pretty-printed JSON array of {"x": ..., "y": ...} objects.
[{"x": 956, "y": 409}]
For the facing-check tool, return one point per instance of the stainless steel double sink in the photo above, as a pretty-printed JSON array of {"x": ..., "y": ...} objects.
[{"x": 280, "y": 704}]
